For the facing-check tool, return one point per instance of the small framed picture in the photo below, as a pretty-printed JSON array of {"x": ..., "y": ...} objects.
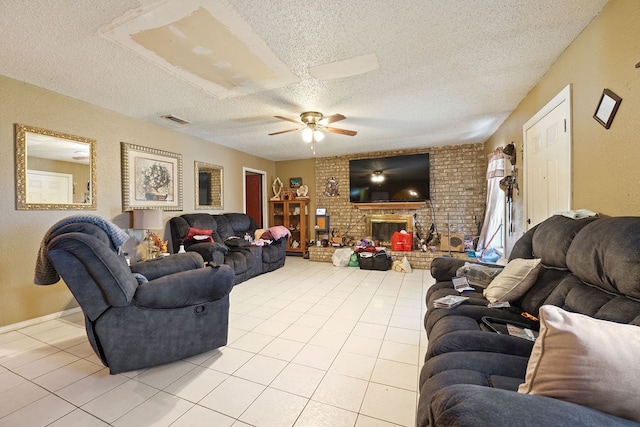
[
  {"x": 607, "y": 108},
  {"x": 295, "y": 182}
]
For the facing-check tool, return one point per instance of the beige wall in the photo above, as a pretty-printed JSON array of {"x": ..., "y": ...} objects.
[
  {"x": 21, "y": 231},
  {"x": 606, "y": 172}
]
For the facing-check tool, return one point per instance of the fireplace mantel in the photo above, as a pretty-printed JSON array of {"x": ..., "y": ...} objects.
[{"x": 388, "y": 205}]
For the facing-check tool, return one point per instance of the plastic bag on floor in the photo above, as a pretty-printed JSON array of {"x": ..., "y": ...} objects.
[
  {"x": 341, "y": 257},
  {"x": 402, "y": 266}
]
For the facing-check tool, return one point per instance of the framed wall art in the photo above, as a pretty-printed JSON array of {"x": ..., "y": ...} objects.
[
  {"x": 295, "y": 182},
  {"x": 607, "y": 108},
  {"x": 151, "y": 178}
]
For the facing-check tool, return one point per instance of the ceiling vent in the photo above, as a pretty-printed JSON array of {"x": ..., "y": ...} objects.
[{"x": 176, "y": 119}]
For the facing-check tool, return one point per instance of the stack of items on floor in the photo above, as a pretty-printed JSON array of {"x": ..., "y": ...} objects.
[{"x": 575, "y": 283}]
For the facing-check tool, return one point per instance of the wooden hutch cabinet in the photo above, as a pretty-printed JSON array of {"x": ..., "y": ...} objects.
[{"x": 293, "y": 214}]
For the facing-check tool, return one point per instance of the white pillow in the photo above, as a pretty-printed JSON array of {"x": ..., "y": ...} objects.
[
  {"x": 583, "y": 360},
  {"x": 515, "y": 280}
]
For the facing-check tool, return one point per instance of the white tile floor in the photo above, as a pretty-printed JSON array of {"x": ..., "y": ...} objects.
[{"x": 309, "y": 345}]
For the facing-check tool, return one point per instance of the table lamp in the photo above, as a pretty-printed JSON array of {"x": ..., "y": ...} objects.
[{"x": 148, "y": 219}]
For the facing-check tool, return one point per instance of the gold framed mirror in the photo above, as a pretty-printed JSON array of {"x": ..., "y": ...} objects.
[
  {"x": 54, "y": 170},
  {"x": 209, "y": 184}
]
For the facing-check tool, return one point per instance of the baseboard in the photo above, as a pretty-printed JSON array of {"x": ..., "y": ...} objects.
[{"x": 30, "y": 322}]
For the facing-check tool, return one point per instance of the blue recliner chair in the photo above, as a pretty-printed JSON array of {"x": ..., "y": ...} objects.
[{"x": 136, "y": 317}]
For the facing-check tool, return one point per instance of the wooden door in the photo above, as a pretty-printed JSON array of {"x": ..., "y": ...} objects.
[{"x": 253, "y": 197}]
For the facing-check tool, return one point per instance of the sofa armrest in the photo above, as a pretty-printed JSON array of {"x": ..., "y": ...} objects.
[
  {"x": 163, "y": 266},
  {"x": 443, "y": 268},
  {"x": 185, "y": 288},
  {"x": 472, "y": 405},
  {"x": 210, "y": 251}
]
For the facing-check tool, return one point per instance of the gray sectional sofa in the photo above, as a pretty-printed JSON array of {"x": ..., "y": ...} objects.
[
  {"x": 471, "y": 374},
  {"x": 229, "y": 247}
]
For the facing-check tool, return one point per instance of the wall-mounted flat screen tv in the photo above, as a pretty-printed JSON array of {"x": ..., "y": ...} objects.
[{"x": 389, "y": 179}]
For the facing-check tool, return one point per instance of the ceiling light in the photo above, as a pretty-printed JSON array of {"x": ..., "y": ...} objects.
[
  {"x": 319, "y": 136},
  {"x": 307, "y": 134}
]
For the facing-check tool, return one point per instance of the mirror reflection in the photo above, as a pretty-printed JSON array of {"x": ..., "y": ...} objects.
[
  {"x": 54, "y": 171},
  {"x": 208, "y": 186}
]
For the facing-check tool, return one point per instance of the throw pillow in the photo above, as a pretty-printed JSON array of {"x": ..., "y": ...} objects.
[
  {"x": 515, "y": 280},
  {"x": 587, "y": 361},
  {"x": 198, "y": 235}
]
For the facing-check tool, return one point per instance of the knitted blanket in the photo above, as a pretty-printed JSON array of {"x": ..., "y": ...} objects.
[{"x": 45, "y": 273}]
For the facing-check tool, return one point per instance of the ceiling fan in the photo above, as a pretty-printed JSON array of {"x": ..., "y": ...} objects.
[{"x": 313, "y": 124}]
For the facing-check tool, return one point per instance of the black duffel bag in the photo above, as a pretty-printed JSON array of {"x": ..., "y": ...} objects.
[{"x": 374, "y": 261}]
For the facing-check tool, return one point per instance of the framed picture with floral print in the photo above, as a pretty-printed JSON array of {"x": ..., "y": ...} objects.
[{"x": 151, "y": 178}]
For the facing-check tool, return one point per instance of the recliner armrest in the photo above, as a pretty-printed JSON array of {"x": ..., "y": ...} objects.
[
  {"x": 185, "y": 288},
  {"x": 159, "y": 267}
]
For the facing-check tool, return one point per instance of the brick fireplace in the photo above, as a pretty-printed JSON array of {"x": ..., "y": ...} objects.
[{"x": 458, "y": 192}]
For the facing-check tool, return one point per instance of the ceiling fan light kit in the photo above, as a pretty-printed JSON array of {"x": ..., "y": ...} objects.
[
  {"x": 309, "y": 134},
  {"x": 313, "y": 124}
]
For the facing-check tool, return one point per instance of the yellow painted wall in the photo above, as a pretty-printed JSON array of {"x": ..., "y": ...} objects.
[
  {"x": 305, "y": 169},
  {"x": 21, "y": 231},
  {"x": 606, "y": 171}
]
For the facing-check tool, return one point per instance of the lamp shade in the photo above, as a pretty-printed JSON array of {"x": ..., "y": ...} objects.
[{"x": 147, "y": 219}]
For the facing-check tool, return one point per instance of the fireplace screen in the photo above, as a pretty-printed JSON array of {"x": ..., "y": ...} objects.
[{"x": 380, "y": 228}]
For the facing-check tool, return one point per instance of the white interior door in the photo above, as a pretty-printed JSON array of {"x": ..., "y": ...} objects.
[
  {"x": 49, "y": 187},
  {"x": 547, "y": 160}
]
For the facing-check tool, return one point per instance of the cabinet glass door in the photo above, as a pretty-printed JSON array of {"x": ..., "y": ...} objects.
[
  {"x": 278, "y": 214},
  {"x": 295, "y": 210}
]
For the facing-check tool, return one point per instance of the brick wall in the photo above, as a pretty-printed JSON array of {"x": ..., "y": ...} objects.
[{"x": 458, "y": 189}]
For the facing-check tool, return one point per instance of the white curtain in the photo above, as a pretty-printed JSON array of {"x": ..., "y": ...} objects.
[{"x": 491, "y": 235}]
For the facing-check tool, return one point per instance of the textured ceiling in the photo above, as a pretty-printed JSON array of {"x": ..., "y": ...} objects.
[{"x": 448, "y": 71}]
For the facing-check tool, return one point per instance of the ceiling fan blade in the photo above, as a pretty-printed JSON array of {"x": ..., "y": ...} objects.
[
  {"x": 332, "y": 119},
  {"x": 283, "y": 131},
  {"x": 341, "y": 131},
  {"x": 287, "y": 119}
]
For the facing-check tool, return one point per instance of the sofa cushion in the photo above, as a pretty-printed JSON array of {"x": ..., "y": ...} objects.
[
  {"x": 586, "y": 361},
  {"x": 605, "y": 254},
  {"x": 224, "y": 227},
  {"x": 553, "y": 237},
  {"x": 514, "y": 281},
  {"x": 241, "y": 223},
  {"x": 202, "y": 221}
]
